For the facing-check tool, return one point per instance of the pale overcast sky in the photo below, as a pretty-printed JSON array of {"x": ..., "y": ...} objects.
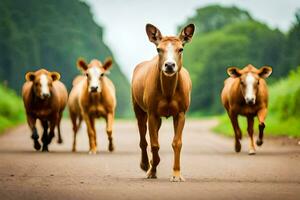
[{"x": 124, "y": 21}]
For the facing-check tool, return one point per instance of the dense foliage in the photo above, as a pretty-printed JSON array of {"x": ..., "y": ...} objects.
[
  {"x": 52, "y": 35},
  {"x": 231, "y": 37}
]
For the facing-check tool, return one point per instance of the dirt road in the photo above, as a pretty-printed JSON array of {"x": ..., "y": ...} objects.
[{"x": 209, "y": 164}]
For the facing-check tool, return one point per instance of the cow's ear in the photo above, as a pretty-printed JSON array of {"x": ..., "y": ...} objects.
[
  {"x": 233, "y": 72},
  {"x": 187, "y": 33},
  {"x": 30, "y": 76},
  {"x": 153, "y": 33},
  {"x": 107, "y": 63},
  {"x": 55, "y": 76},
  {"x": 81, "y": 64},
  {"x": 265, "y": 71}
]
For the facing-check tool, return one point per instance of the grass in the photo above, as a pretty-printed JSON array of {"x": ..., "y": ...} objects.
[
  {"x": 11, "y": 109},
  {"x": 284, "y": 110}
]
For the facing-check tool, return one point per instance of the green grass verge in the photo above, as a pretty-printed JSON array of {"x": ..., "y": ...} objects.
[
  {"x": 11, "y": 109},
  {"x": 274, "y": 126}
]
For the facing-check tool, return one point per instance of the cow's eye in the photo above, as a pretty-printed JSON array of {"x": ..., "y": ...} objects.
[
  {"x": 242, "y": 82},
  {"x": 102, "y": 74},
  {"x": 87, "y": 75},
  {"x": 180, "y": 50},
  {"x": 158, "y": 50}
]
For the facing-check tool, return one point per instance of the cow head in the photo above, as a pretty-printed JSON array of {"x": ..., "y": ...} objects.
[
  {"x": 170, "y": 48},
  {"x": 94, "y": 72},
  {"x": 249, "y": 79},
  {"x": 42, "y": 82}
]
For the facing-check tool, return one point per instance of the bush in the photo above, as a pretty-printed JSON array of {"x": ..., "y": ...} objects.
[{"x": 11, "y": 108}]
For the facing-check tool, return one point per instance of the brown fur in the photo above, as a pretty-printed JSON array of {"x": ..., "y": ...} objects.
[
  {"x": 48, "y": 110},
  {"x": 156, "y": 95},
  {"x": 233, "y": 100},
  {"x": 91, "y": 105}
]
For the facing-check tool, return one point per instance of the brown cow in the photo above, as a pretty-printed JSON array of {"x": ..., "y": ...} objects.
[
  {"x": 45, "y": 98},
  {"x": 93, "y": 96},
  {"x": 245, "y": 93},
  {"x": 161, "y": 87}
]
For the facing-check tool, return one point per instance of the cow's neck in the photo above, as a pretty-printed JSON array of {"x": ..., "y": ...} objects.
[{"x": 168, "y": 84}]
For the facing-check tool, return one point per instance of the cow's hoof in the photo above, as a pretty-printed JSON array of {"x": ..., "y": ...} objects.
[
  {"x": 37, "y": 145},
  {"x": 238, "y": 147},
  {"x": 59, "y": 141},
  {"x": 93, "y": 152},
  {"x": 251, "y": 152},
  {"x": 111, "y": 147},
  {"x": 259, "y": 142},
  {"x": 177, "y": 179},
  {"x": 144, "y": 166},
  {"x": 45, "y": 149},
  {"x": 151, "y": 174}
]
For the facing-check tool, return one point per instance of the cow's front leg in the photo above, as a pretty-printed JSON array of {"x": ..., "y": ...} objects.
[
  {"x": 35, "y": 136},
  {"x": 261, "y": 115},
  {"x": 91, "y": 133},
  {"x": 45, "y": 135},
  {"x": 178, "y": 122},
  {"x": 109, "y": 124},
  {"x": 154, "y": 123},
  {"x": 250, "y": 121},
  {"x": 237, "y": 131}
]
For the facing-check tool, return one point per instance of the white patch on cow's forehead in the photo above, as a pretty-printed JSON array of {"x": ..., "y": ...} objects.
[
  {"x": 170, "y": 52},
  {"x": 44, "y": 84},
  {"x": 250, "y": 79},
  {"x": 94, "y": 71},
  {"x": 249, "y": 85}
]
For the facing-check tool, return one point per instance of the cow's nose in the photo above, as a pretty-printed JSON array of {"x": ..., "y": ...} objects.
[
  {"x": 250, "y": 101},
  {"x": 170, "y": 66},
  {"x": 46, "y": 95},
  {"x": 94, "y": 88}
]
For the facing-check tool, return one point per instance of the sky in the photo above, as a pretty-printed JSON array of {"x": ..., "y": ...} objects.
[{"x": 124, "y": 22}]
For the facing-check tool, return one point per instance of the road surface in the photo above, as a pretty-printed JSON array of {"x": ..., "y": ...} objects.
[{"x": 211, "y": 168}]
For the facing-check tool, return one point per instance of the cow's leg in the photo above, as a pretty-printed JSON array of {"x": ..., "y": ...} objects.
[
  {"x": 45, "y": 135},
  {"x": 109, "y": 125},
  {"x": 250, "y": 121},
  {"x": 154, "y": 123},
  {"x": 90, "y": 130},
  {"x": 141, "y": 117},
  {"x": 48, "y": 138},
  {"x": 178, "y": 122},
  {"x": 59, "y": 140},
  {"x": 237, "y": 131},
  {"x": 35, "y": 136},
  {"x": 73, "y": 117},
  {"x": 261, "y": 115}
]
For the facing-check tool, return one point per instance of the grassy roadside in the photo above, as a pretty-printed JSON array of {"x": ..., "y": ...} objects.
[
  {"x": 284, "y": 110},
  {"x": 11, "y": 109}
]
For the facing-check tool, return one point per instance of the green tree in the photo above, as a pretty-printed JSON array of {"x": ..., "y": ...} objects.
[{"x": 52, "y": 34}]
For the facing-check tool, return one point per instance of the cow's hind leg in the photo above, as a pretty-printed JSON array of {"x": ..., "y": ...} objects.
[
  {"x": 141, "y": 117},
  {"x": 59, "y": 140},
  {"x": 35, "y": 136},
  {"x": 73, "y": 117},
  {"x": 250, "y": 121}
]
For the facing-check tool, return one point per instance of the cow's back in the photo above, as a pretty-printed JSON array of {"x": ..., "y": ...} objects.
[{"x": 62, "y": 94}]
